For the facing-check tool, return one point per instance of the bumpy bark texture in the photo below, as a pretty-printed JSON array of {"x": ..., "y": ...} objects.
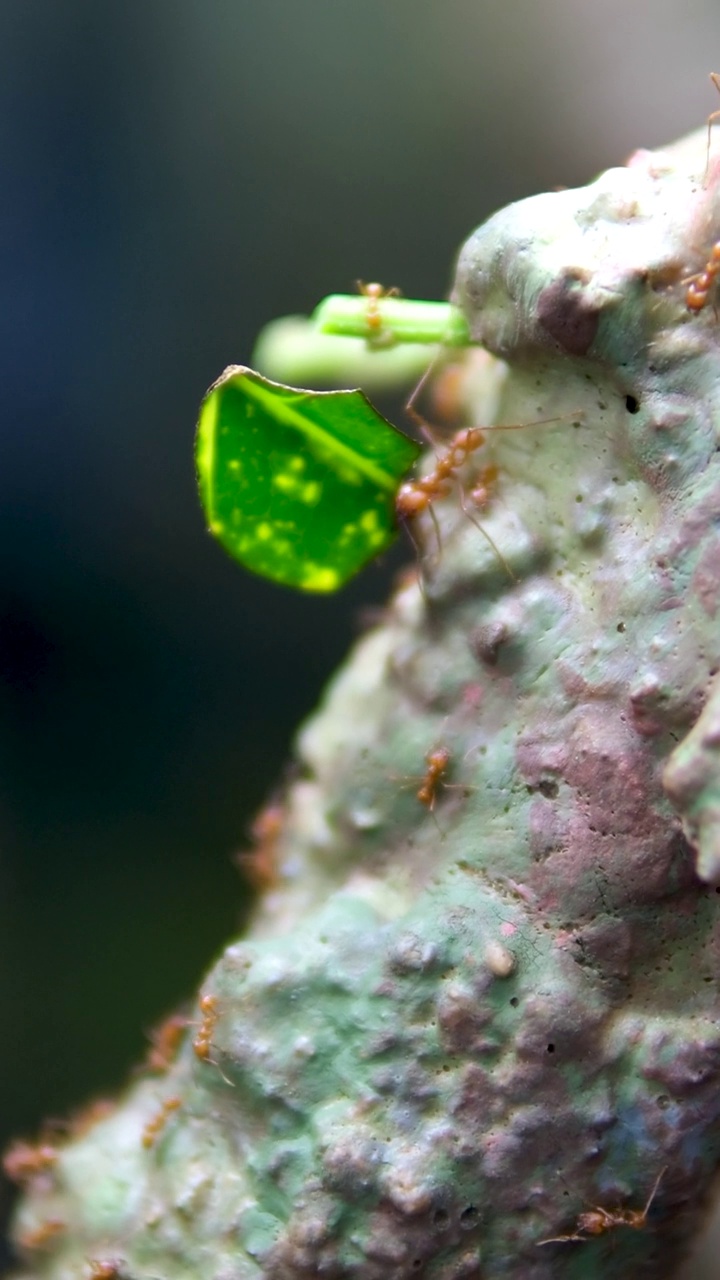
[{"x": 450, "y": 1032}]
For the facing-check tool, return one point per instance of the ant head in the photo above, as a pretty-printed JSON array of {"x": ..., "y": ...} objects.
[{"x": 438, "y": 758}]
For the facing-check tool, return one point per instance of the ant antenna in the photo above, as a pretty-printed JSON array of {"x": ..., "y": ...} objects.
[
  {"x": 422, "y": 423},
  {"x": 490, "y": 540},
  {"x": 714, "y": 115},
  {"x": 663, "y": 1171}
]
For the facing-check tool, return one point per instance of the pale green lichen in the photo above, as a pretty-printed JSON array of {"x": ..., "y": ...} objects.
[{"x": 447, "y": 1033}]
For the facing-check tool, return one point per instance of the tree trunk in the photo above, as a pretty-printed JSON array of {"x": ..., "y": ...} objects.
[{"x": 476, "y": 1033}]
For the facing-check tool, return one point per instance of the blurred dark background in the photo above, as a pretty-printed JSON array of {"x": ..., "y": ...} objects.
[{"x": 173, "y": 174}]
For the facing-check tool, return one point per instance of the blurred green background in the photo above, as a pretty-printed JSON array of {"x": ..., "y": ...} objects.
[{"x": 174, "y": 174}]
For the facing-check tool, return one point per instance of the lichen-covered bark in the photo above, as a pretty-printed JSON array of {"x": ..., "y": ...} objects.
[{"x": 451, "y": 1031}]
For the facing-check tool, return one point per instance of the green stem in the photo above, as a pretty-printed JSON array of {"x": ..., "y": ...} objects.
[
  {"x": 292, "y": 350},
  {"x": 401, "y": 320}
]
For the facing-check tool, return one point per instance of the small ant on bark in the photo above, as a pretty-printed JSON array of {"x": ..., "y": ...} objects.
[
  {"x": 165, "y": 1042},
  {"x": 92, "y": 1113},
  {"x": 104, "y": 1269},
  {"x": 210, "y": 1014},
  {"x": 437, "y": 761},
  {"x": 699, "y": 286},
  {"x": 24, "y": 1161},
  {"x": 158, "y": 1122},
  {"x": 43, "y": 1235},
  {"x": 259, "y": 864},
  {"x": 596, "y": 1220}
]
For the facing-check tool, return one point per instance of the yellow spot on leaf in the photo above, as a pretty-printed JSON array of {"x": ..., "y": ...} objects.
[{"x": 321, "y": 579}]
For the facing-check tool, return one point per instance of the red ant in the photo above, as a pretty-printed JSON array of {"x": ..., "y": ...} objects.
[
  {"x": 699, "y": 286},
  {"x": 80, "y": 1121},
  {"x": 416, "y": 496},
  {"x": 91, "y": 1114},
  {"x": 104, "y": 1269},
  {"x": 42, "y": 1235},
  {"x": 260, "y": 863},
  {"x": 374, "y": 294},
  {"x": 596, "y": 1221},
  {"x": 165, "y": 1042},
  {"x": 437, "y": 760},
  {"x": 201, "y": 1043},
  {"x": 24, "y": 1161},
  {"x": 158, "y": 1122}
]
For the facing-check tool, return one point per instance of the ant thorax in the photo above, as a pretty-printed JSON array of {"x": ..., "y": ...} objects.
[{"x": 377, "y": 335}]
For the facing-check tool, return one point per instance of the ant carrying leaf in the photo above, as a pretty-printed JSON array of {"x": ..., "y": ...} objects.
[
  {"x": 300, "y": 485},
  {"x": 304, "y": 487}
]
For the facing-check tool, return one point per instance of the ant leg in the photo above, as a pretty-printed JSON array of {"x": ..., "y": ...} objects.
[
  {"x": 441, "y": 833},
  {"x": 491, "y": 542},
  {"x": 576, "y": 415},
  {"x": 421, "y": 423},
  {"x": 663, "y": 1171},
  {"x": 419, "y": 558},
  {"x": 436, "y": 526},
  {"x": 714, "y": 115},
  {"x": 560, "y": 1239},
  {"x": 406, "y": 519}
]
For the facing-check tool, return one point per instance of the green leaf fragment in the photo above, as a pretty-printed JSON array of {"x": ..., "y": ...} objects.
[{"x": 297, "y": 485}]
